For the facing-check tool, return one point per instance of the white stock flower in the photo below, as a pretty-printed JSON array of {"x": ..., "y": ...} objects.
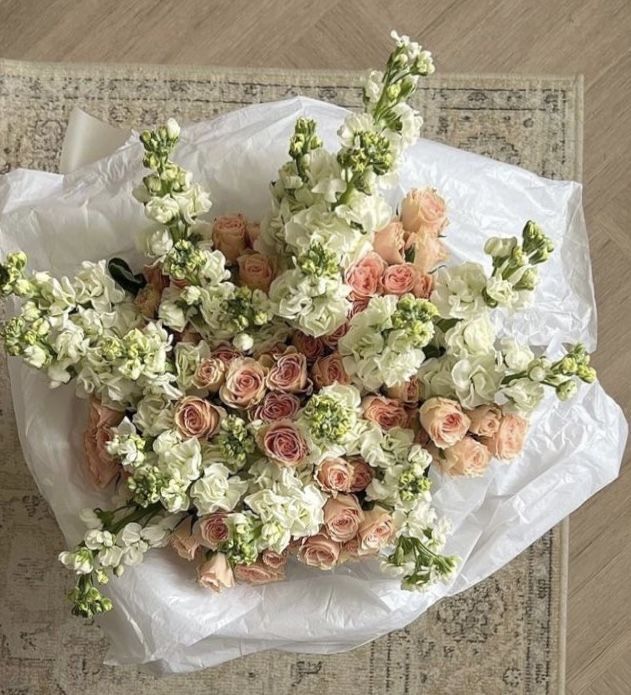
[
  {"x": 159, "y": 242},
  {"x": 524, "y": 394},
  {"x": 471, "y": 337},
  {"x": 170, "y": 312},
  {"x": 182, "y": 459},
  {"x": 517, "y": 357},
  {"x": 217, "y": 490},
  {"x": 192, "y": 202},
  {"x": 502, "y": 292},
  {"x": 162, "y": 209},
  {"x": 476, "y": 380},
  {"x": 353, "y": 124},
  {"x": 458, "y": 291},
  {"x": 370, "y": 212},
  {"x": 154, "y": 414}
]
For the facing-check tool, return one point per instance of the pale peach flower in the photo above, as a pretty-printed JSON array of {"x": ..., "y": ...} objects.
[
  {"x": 210, "y": 374},
  {"x": 283, "y": 442},
  {"x": 429, "y": 252},
  {"x": 288, "y": 372},
  {"x": 389, "y": 242},
  {"x": 376, "y": 530},
  {"x": 423, "y": 211},
  {"x": 485, "y": 420},
  {"x": 334, "y": 475},
  {"x": 259, "y": 573},
  {"x": 468, "y": 458},
  {"x": 508, "y": 442},
  {"x": 386, "y": 412},
  {"x": 226, "y": 353},
  {"x": 196, "y": 417},
  {"x": 400, "y": 279},
  {"x": 332, "y": 339},
  {"x": 342, "y": 517},
  {"x": 230, "y": 236},
  {"x": 319, "y": 551},
  {"x": 183, "y": 541},
  {"x": 277, "y": 405},
  {"x": 364, "y": 277},
  {"x": 100, "y": 465},
  {"x": 274, "y": 560},
  {"x": 244, "y": 385},
  {"x": 329, "y": 370},
  {"x": 444, "y": 421},
  {"x": 408, "y": 392},
  {"x": 216, "y": 573},
  {"x": 253, "y": 231},
  {"x": 424, "y": 286},
  {"x": 211, "y": 530},
  {"x": 256, "y": 271},
  {"x": 362, "y": 474},
  {"x": 309, "y": 346}
]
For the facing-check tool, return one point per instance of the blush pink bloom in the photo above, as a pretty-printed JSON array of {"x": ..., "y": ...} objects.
[
  {"x": 389, "y": 242},
  {"x": 226, "y": 353},
  {"x": 183, "y": 541},
  {"x": 375, "y": 531},
  {"x": 274, "y": 560},
  {"x": 334, "y": 475},
  {"x": 329, "y": 370},
  {"x": 211, "y": 530},
  {"x": 508, "y": 441},
  {"x": 332, "y": 339},
  {"x": 256, "y": 271},
  {"x": 424, "y": 286},
  {"x": 230, "y": 236},
  {"x": 196, "y": 417},
  {"x": 319, "y": 551},
  {"x": 216, "y": 573},
  {"x": 485, "y": 420},
  {"x": 409, "y": 392},
  {"x": 210, "y": 374},
  {"x": 362, "y": 474},
  {"x": 310, "y": 347},
  {"x": 100, "y": 465},
  {"x": 259, "y": 573},
  {"x": 444, "y": 421},
  {"x": 423, "y": 211},
  {"x": 364, "y": 277},
  {"x": 386, "y": 412},
  {"x": 244, "y": 385},
  {"x": 288, "y": 372},
  {"x": 342, "y": 516},
  {"x": 277, "y": 405},
  {"x": 468, "y": 458},
  {"x": 283, "y": 442},
  {"x": 429, "y": 252},
  {"x": 253, "y": 231},
  {"x": 399, "y": 279},
  {"x": 350, "y": 551}
]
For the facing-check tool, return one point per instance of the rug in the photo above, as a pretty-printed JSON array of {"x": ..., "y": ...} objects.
[{"x": 505, "y": 635}]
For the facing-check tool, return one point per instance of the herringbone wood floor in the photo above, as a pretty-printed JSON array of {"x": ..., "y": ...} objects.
[{"x": 516, "y": 36}]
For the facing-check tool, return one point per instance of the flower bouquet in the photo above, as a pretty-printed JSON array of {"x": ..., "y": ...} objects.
[{"x": 308, "y": 390}]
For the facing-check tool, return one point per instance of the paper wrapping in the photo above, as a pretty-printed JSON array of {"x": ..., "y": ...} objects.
[{"x": 161, "y": 617}]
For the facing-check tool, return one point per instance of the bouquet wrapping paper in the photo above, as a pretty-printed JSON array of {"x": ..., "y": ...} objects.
[{"x": 574, "y": 448}]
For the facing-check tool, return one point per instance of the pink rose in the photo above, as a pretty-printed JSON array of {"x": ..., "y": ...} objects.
[
  {"x": 259, "y": 573},
  {"x": 333, "y": 339},
  {"x": 334, "y": 475},
  {"x": 364, "y": 277},
  {"x": 307, "y": 345},
  {"x": 362, "y": 474},
  {"x": 196, "y": 417},
  {"x": 283, "y": 442},
  {"x": 216, "y": 573},
  {"x": 244, "y": 385},
  {"x": 389, "y": 242},
  {"x": 423, "y": 211},
  {"x": 183, "y": 541},
  {"x": 342, "y": 516},
  {"x": 253, "y": 231},
  {"x": 277, "y": 405},
  {"x": 508, "y": 442},
  {"x": 424, "y": 286},
  {"x": 485, "y": 420},
  {"x": 409, "y": 392},
  {"x": 289, "y": 372},
  {"x": 375, "y": 531},
  {"x": 399, "y": 279},
  {"x": 101, "y": 466},
  {"x": 350, "y": 551},
  {"x": 468, "y": 458},
  {"x": 429, "y": 252},
  {"x": 319, "y": 551},
  {"x": 211, "y": 531},
  {"x": 226, "y": 353},
  {"x": 230, "y": 236},
  {"x": 255, "y": 271},
  {"x": 444, "y": 421},
  {"x": 274, "y": 560},
  {"x": 329, "y": 370},
  {"x": 386, "y": 412},
  {"x": 210, "y": 374}
]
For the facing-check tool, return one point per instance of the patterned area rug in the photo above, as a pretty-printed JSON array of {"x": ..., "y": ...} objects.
[{"x": 506, "y": 635}]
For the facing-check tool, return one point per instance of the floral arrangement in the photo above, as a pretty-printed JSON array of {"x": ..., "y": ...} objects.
[{"x": 283, "y": 389}]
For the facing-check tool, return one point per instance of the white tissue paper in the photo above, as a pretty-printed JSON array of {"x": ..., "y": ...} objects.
[{"x": 160, "y": 616}]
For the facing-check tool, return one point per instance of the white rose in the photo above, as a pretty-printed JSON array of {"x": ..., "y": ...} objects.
[
  {"x": 476, "y": 380},
  {"x": 162, "y": 210},
  {"x": 217, "y": 490}
]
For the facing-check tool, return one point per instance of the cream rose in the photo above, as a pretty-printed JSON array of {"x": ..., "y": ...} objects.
[
  {"x": 485, "y": 420},
  {"x": 468, "y": 458},
  {"x": 277, "y": 405},
  {"x": 444, "y": 421},
  {"x": 389, "y": 242},
  {"x": 329, "y": 370},
  {"x": 196, "y": 417},
  {"x": 230, "y": 236},
  {"x": 211, "y": 530},
  {"x": 183, "y": 541},
  {"x": 364, "y": 277},
  {"x": 386, "y": 412},
  {"x": 100, "y": 465},
  {"x": 375, "y": 531},
  {"x": 244, "y": 385},
  {"x": 423, "y": 211},
  {"x": 283, "y": 442},
  {"x": 400, "y": 279},
  {"x": 255, "y": 271},
  {"x": 319, "y": 551},
  {"x": 334, "y": 475},
  {"x": 342, "y": 516},
  {"x": 362, "y": 475},
  {"x": 216, "y": 573},
  {"x": 210, "y": 374},
  {"x": 288, "y": 373},
  {"x": 508, "y": 441},
  {"x": 259, "y": 573}
]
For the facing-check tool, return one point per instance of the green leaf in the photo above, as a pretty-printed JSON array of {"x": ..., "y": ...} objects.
[{"x": 123, "y": 276}]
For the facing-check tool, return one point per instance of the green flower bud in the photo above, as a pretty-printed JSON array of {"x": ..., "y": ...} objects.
[{"x": 566, "y": 390}]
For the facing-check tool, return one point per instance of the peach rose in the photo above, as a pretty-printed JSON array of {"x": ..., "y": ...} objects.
[
  {"x": 350, "y": 551},
  {"x": 485, "y": 420},
  {"x": 362, "y": 474},
  {"x": 342, "y": 516},
  {"x": 319, "y": 551},
  {"x": 508, "y": 441},
  {"x": 408, "y": 392},
  {"x": 444, "y": 421},
  {"x": 211, "y": 530},
  {"x": 386, "y": 412},
  {"x": 259, "y": 573},
  {"x": 423, "y": 211},
  {"x": 334, "y": 475},
  {"x": 399, "y": 279},
  {"x": 375, "y": 531},
  {"x": 328, "y": 370},
  {"x": 253, "y": 231},
  {"x": 332, "y": 339},
  {"x": 196, "y": 417},
  {"x": 216, "y": 573},
  {"x": 210, "y": 374},
  {"x": 255, "y": 271},
  {"x": 230, "y": 236},
  {"x": 226, "y": 353},
  {"x": 283, "y": 442},
  {"x": 364, "y": 277},
  {"x": 244, "y": 385},
  {"x": 100, "y": 465},
  {"x": 310, "y": 347},
  {"x": 424, "y": 286},
  {"x": 183, "y": 541},
  {"x": 389, "y": 242},
  {"x": 468, "y": 458},
  {"x": 274, "y": 560},
  {"x": 429, "y": 252},
  {"x": 277, "y": 405},
  {"x": 289, "y": 373}
]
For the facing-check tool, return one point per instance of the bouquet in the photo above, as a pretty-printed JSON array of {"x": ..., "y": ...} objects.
[{"x": 289, "y": 390}]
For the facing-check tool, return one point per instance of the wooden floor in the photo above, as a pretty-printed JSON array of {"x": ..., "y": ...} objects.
[{"x": 517, "y": 36}]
